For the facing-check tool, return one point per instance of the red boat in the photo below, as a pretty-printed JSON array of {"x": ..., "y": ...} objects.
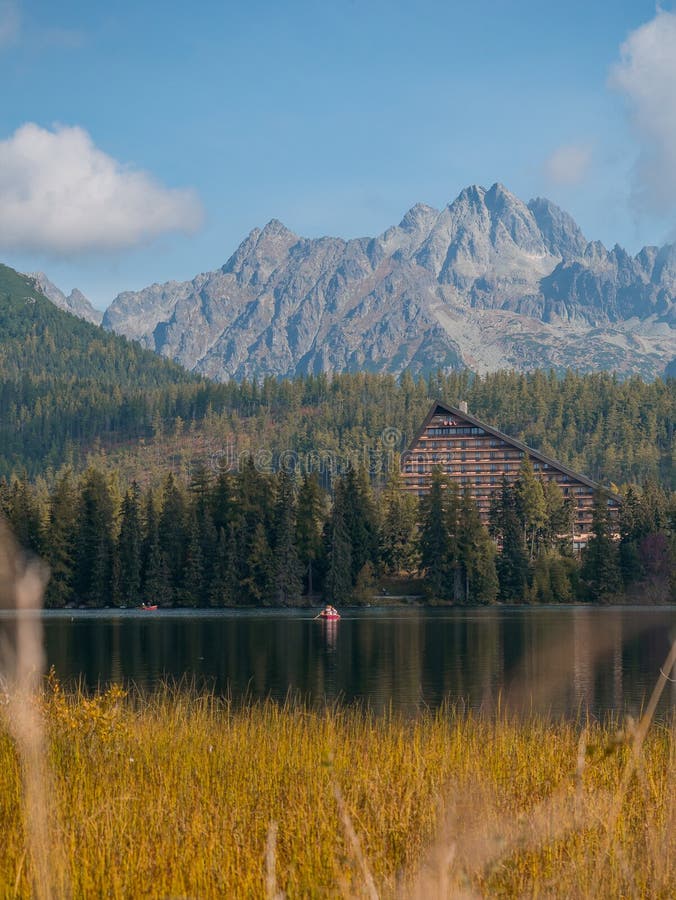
[
  {"x": 149, "y": 607},
  {"x": 329, "y": 613}
]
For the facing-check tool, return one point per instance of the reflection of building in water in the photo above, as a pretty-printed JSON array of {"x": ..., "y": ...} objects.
[
  {"x": 597, "y": 656},
  {"x": 583, "y": 658},
  {"x": 476, "y": 455}
]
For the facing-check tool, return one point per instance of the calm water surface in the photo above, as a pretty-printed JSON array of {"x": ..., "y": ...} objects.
[{"x": 554, "y": 660}]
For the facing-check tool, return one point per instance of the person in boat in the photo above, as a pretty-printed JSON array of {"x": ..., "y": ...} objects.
[{"x": 330, "y": 610}]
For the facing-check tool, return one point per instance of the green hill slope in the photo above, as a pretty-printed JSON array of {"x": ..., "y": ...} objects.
[{"x": 65, "y": 382}]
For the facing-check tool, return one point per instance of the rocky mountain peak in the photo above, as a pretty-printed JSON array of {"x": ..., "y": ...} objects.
[
  {"x": 419, "y": 216},
  {"x": 75, "y": 303},
  {"x": 275, "y": 229},
  {"x": 488, "y": 282},
  {"x": 560, "y": 232}
]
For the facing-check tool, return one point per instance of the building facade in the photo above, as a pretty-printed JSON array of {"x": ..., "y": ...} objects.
[{"x": 472, "y": 453}]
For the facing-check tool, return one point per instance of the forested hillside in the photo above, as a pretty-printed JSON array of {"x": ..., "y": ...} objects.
[
  {"x": 615, "y": 432},
  {"x": 72, "y": 393},
  {"x": 64, "y": 382}
]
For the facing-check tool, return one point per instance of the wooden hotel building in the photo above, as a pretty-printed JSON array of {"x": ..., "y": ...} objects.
[{"x": 472, "y": 453}]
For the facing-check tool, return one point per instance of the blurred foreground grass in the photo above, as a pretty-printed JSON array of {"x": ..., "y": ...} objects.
[{"x": 179, "y": 794}]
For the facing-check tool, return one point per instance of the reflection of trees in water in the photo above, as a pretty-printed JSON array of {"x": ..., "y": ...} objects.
[{"x": 558, "y": 660}]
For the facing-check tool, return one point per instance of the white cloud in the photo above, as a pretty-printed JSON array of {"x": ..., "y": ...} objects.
[
  {"x": 569, "y": 164},
  {"x": 10, "y": 21},
  {"x": 646, "y": 75},
  {"x": 61, "y": 195}
]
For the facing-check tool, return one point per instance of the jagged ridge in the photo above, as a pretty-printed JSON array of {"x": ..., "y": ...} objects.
[{"x": 488, "y": 281}]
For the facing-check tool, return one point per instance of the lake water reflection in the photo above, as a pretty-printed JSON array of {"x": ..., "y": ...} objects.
[{"x": 558, "y": 660}]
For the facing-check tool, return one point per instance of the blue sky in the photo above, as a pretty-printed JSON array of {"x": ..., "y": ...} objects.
[{"x": 197, "y": 122}]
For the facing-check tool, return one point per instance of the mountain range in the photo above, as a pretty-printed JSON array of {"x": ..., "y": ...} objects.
[{"x": 487, "y": 282}]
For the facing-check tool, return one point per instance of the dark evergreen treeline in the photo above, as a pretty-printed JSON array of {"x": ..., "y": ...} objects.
[{"x": 251, "y": 538}]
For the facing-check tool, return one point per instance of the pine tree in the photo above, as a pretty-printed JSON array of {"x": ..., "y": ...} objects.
[
  {"x": 600, "y": 573},
  {"x": 398, "y": 534},
  {"x": 531, "y": 505},
  {"x": 361, "y": 520},
  {"x": 512, "y": 561},
  {"x": 24, "y": 515},
  {"x": 309, "y": 529},
  {"x": 94, "y": 542},
  {"x": 476, "y": 554},
  {"x": 129, "y": 549},
  {"x": 258, "y": 584},
  {"x": 172, "y": 536},
  {"x": 224, "y": 589},
  {"x": 339, "y": 581},
  {"x": 191, "y": 591},
  {"x": 60, "y": 541},
  {"x": 286, "y": 564},
  {"x": 156, "y": 585},
  {"x": 557, "y": 532},
  {"x": 435, "y": 541}
]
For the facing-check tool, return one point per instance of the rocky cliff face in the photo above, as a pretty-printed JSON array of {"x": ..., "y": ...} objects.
[
  {"x": 75, "y": 303},
  {"x": 487, "y": 282}
]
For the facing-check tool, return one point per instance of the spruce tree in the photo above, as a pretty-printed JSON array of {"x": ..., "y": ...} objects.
[
  {"x": 531, "y": 505},
  {"x": 191, "y": 590},
  {"x": 339, "y": 582},
  {"x": 225, "y": 589},
  {"x": 512, "y": 560},
  {"x": 60, "y": 540},
  {"x": 258, "y": 583},
  {"x": 94, "y": 542},
  {"x": 600, "y": 574},
  {"x": 286, "y": 564},
  {"x": 129, "y": 545},
  {"x": 435, "y": 540},
  {"x": 309, "y": 516},
  {"x": 156, "y": 586},
  {"x": 476, "y": 554},
  {"x": 172, "y": 535},
  {"x": 398, "y": 534},
  {"x": 361, "y": 520}
]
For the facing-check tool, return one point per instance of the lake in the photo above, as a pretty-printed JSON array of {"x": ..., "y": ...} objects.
[{"x": 558, "y": 660}]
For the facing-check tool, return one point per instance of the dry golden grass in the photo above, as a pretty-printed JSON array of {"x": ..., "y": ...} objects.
[{"x": 181, "y": 795}]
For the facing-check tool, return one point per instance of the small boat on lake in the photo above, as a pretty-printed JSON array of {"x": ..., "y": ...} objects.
[
  {"x": 329, "y": 614},
  {"x": 149, "y": 607}
]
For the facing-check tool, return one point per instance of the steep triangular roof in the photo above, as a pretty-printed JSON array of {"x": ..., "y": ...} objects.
[{"x": 439, "y": 408}]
